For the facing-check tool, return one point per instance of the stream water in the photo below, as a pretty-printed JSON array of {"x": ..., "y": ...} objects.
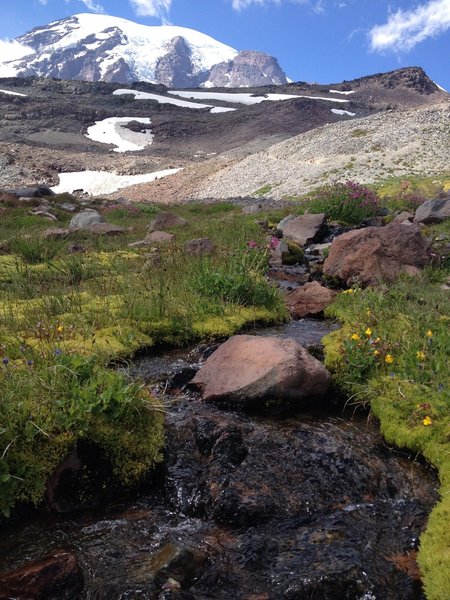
[{"x": 306, "y": 506}]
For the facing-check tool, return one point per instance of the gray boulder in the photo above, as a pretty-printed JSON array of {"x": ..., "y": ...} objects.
[
  {"x": 85, "y": 218},
  {"x": 198, "y": 247},
  {"x": 303, "y": 229},
  {"x": 166, "y": 220},
  {"x": 433, "y": 211}
]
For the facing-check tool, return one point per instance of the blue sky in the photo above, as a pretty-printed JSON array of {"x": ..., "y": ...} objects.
[{"x": 323, "y": 41}]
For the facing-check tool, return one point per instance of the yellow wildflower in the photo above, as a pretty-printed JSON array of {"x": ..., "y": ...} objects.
[
  {"x": 376, "y": 352},
  {"x": 368, "y": 332},
  {"x": 60, "y": 329},
  {"x": 429, "y": 333},
  {"x": 377, "y": 341},
  {"x": 355, "y": 337},
  {"x": 389, "y": 359},
  {"x": 420, "y": 355},
  {"x": 427, "y": 421},
  {"x": 350, "y": 291}
]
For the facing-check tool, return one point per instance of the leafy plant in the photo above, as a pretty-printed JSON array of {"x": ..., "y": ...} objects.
[{"x": 347, "y": 202}]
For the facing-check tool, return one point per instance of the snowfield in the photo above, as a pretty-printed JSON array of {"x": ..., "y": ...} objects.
[
  {"x": 111, "y": 131},
  {"x": 161, "y": 99},
  {"x": 102, "y": 182},
  {"x": 141, "y": 45},
  {"x": 248, "y": 99}
]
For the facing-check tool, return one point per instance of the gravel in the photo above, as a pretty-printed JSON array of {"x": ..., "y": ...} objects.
[{"x": 409, "y": 142}]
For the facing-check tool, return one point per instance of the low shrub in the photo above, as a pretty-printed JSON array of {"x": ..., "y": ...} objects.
[{"x": 347, "y": 202}]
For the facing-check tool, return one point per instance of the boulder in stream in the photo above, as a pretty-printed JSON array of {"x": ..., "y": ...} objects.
[{"x": 248, "y": 371}]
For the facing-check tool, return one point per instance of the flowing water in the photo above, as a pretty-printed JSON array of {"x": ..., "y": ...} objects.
[{"x": 305, "y": 506}]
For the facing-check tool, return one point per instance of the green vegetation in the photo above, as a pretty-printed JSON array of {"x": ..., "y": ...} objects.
[
  {"x": 392, "y": 353},
  {"x": 262, "y": 191},
  {"x": 64, "y": 315},
  {"x": 347, "y": 202},
  {"x": 356, "y": 133},
  {"x": 406, "y": 193}
]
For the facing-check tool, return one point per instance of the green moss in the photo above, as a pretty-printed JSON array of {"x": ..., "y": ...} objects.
[{"x": 392, "y": 352}]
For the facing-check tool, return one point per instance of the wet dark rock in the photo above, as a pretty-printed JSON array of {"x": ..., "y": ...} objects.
[
  {"x": 51, "y": 578},
  {"x": 180, "y": 379},
  {"x": 179, "y": 564},
  {"x": 83, "y": 479}
]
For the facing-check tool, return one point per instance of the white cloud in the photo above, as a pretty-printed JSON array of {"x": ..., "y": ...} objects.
[
  {"x": 406, "y": 28},
  {"x": 152, "y": 8},
  {"x": 91, "y": 5},
  {"x": 242, "y": 4}
]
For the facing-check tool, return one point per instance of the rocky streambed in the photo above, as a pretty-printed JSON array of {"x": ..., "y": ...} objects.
[{"x": 306, "y": 505}]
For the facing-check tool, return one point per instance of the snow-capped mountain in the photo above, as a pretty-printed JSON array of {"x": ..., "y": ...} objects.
[{"x": 95, "y": 47}]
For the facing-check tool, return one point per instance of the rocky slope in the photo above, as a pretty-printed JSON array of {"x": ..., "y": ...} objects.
[
  {"x": 44, "y": 128},
  {"x": 414, "y": 141},
  {"x": 95, "y": 47}
]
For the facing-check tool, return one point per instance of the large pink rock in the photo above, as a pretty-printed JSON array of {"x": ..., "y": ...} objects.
[
  {"x": 309, "y": 299},
  {"x": 369, "y": 256},
  {"x": 248, "y": 370}
]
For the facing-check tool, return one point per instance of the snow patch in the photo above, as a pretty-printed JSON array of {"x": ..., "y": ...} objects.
[
  {"x": 161, "y": 99},
  {"x": 340, "y": 92},
  {"x": 249, "y": 99},
  {"x": 103, "y": 182},
  {"x": 338, "y": 111},
  {"x": 221, "y": 109},
  {"x": 440, "y": 87},
  {"x": 12, "y": 93},
  {"x": 112, "y": 131}
]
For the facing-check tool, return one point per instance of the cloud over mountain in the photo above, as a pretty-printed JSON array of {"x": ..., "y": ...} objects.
[{"x": 407, "y": 28}]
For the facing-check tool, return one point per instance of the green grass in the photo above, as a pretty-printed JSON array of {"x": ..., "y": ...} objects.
[
  {"x": 407, "y": 192},
  {"x": 65, "y": 315},
  {"x": 392, "y": 353}
]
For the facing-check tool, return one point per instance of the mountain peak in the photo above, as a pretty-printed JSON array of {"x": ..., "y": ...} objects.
[{"x": 94, "y": 47}]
